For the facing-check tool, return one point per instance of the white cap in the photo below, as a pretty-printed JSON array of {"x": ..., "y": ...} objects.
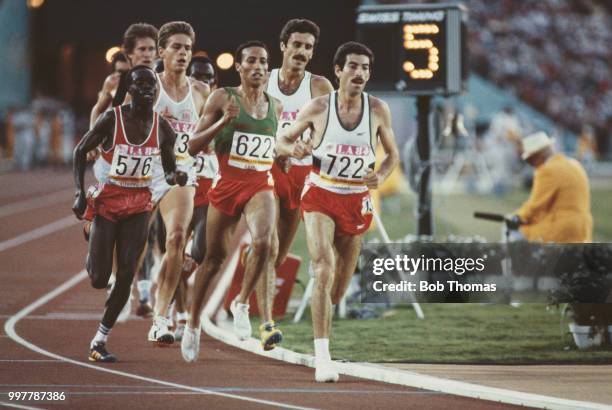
[{"x": 535, "y": 142}]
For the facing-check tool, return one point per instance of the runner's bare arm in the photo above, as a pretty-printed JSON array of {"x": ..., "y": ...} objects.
[
  {"x": 384, "y": 132},
  {"x": 202, "y": 91},
  {"x": 167, "y": 137},
  {"x": 219, "y": 111},
  {"x": 286, "y": 145},
  {"x": 320, "y": 86},
  {"x": 101, "y": 131},
  {"x": 105, "y": 98}
]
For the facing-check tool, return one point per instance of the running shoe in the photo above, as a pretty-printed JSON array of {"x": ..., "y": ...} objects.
[
  {"x": 242, "y": 324},
  {"x": 144, "y": 309},
  {"x": 190, "y": 344},
  {"x": 325, "y": 372},
  {"x": 98, "y": 353},
  {"x": 160, "y": 332},
  {"x": 270, "y": 335},
  {"x": 180, "y": 330}
]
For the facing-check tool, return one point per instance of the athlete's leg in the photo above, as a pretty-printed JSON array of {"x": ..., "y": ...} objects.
[
  {"x": 131, "y": 238},
  {"x": 197, "y": 251},
  {"x": 289, "y": 221},
  {"x": 320, "y": 240},
  {"x": 198, "y": 246},
  {"x": 348, "y": 248},
  {"x": 218, "y": 224},
  {"x": 176, "y": 209},
  {"x": 101, "y": 246},
  {"x": 266, "y": 284},
  {"x": 320, "y": 230},
  {"x": 260, "y": 214}
]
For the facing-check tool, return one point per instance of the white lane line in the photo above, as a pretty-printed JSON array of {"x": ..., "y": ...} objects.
[
  {"x": 9, "y": 329},
  {"x": 29, "y": 361},
  {"x": 87, "y": 389},
  {"x": 18, "y": 406},
  {"x": 36, "y": 202},
  {"x": 44, "y": 230}
]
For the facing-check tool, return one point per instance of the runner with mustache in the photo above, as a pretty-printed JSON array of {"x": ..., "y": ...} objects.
[
  {"x": 294, "y": 87},
  {"x": 243, "y": 123},
  {"x": 345, "y": 127}
]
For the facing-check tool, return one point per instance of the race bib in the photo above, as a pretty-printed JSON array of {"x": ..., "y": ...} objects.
[
  {"x": 345, "y": 164},
  {"x": 366, "y": 206},
  {"x": 252, "y": 151},
  {"x": 181, "y": 145},
  {"x": 132, "y": 166},
  {"x": 206, "y": 165}
]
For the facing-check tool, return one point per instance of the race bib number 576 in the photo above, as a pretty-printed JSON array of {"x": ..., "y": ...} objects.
[
  {"x": 130, "y": 165},
  {"x": 252, "y": 151}
]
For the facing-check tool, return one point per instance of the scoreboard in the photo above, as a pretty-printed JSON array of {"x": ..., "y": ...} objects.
[{"x": 419, "y": 49}]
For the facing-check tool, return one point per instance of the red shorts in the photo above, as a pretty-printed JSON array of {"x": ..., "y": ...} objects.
[
  {"x": 289, "y": 186},
  {"x": 230, "y": 195},
  {"x": 115, "y": 203},
  {"x": 201, "y": 194},
  {"x": 352, "y": 213}
]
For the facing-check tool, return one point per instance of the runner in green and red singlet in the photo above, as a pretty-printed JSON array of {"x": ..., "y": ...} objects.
[{"x": 242, "y": 121}]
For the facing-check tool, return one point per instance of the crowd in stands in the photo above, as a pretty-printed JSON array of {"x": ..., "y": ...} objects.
[{"x": 553, "y": 54}]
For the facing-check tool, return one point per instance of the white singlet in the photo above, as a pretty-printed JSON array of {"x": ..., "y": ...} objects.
[{"x": 343, "y": 157}]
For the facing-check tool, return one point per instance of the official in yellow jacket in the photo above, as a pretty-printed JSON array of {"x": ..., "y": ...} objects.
[{"x": 559, "y": 207}]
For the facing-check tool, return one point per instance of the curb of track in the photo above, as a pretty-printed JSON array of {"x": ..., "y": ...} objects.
[{"x": 376, "y": 372}]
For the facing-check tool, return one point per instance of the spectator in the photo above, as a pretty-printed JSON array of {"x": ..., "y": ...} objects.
[{"x": 559, "y": 207}]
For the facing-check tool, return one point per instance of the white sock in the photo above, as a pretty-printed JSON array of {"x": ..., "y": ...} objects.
[
  {"x": 182, "y": 316},
  {"x": 144, "y": 290},
  {"x": 101, "y": 335},
  {"x": 322, "y": 350}
]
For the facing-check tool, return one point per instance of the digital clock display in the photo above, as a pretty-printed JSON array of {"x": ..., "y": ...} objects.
[{"x": 428, "y": 56}]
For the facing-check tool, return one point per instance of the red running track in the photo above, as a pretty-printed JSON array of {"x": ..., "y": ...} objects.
[{"x": 145, "y": 377}]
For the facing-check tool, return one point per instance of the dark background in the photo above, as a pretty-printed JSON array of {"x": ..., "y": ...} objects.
[{"x": 70, "y": 37}]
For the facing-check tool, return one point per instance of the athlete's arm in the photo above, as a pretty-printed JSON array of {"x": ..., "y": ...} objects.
[
  {"x": 102, "y": 130},
  {"x": 105, "y": 98},
  {"x": 167, "y": 137},
  {"x": 286, "y": 145},
  {"x": 320, "y": 86},
  {"x": 202, "y": 90},
  {"x": 219, "y": 111},
  {"x": 384, "y": 132}
]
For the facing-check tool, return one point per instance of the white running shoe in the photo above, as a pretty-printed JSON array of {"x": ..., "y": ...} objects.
[
  {"x": 190, "y": 344},
  {"x": 325, "y": 372},
  {"x": 160, "y": 332},
  {"x": 242, "y": 324},
  {"x": 126, "y": 311}
]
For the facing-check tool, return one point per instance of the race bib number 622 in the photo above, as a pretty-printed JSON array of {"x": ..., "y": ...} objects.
[{"x": 252, "y": 151}]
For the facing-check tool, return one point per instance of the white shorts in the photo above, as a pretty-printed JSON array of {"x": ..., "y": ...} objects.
[{"x": 159, "y": 187}]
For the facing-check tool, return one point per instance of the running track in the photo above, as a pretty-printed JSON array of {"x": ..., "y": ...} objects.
[{"x": 41, "y": 249}]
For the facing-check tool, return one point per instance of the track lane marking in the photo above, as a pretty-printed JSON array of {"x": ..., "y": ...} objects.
[
  {"x": 9, "y": 328},
  {"x": 18, "y": 406},
  {"x": 36, "y": 202},
  {"x": 39, "y": 232}
]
